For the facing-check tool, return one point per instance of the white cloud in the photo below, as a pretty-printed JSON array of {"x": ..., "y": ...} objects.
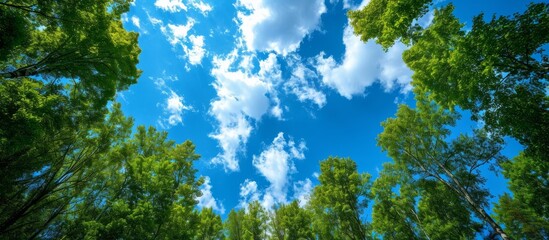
[
  {"x": 275, "y": 163},
  {"x": 204, "y": 8},
  {"x": 248, "y": 193},
  {"x": 177, "y": 33},
  {"x": 135, "y": 21},
  {"x": 346, "y": 3},
  {"x": 154, "y": 21},
  {"x": 170, "y": 5},
  {"x": 173, "y": 106},
  {"x": 196, "y": 52},
  {"x": 302, "y": 191},
  {"x": 301, "y": 83},
  {"x": 178, "y": 5},
  {"x": 207, "y": 200},
  {"x": 278, "y": 25},
  {"x": 363, "y": 64},
  {"x": 242, "y": 97}
]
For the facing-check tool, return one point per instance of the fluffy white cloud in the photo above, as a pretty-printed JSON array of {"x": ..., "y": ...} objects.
[
  {"x": 135, "y": 21},
  {"x": 177, "y": 33},
  {"x": 170, "y": 5},
  {"x": 207, "y": 200},
  {"x": 242, "y": 97},
  {"x": 196, "y": 52},
  {"x": 363, "y": 64},
  {"x": 204, "y": 8},
  {"x": 302, "y": 191},
  {"x": 173, "y": 106},
  {"x": 278, "y": 25},
  {"x": 248, "y": 193},
  {"x": 275, "y": 163},
  {"x": 178, "y": 5},
  {"x": 301, "y": 83}
]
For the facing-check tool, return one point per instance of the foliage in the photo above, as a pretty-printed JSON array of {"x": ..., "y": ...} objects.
[
  {"x": 234, "y": 225},
  {"x": 290, "y": 221},
  {"x": 498, "y": 70},
  {"x": 526, "y": 212},
  {"x": 387, "y": 21},
  {"x": 418, "y": 209},
  {"x": 210, "y": 225},
  {"x": 79, "y": 43},
  {"x": 145, "y": 188},
  {"x": 416, "y": 141},
  {"x": 340, "y": 199}
]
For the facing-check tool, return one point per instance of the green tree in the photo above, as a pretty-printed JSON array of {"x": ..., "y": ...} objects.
[
  {"x": 234, "y": 225},
  {"x": 79, "y": 43},
  {"x": 525, "y": 213},
  {"x": 340, "y": 199},
  {"x": 411, "y": 208},
  {"x": 387, "y": 21},
  {"x": 290, "y": 221},
  {"x": 255, "y": 222},
  {"x": 416, "y": 141},
  {"x": 145, "y": 188},
  {"x": 210, "y": 226},
  {"x": 498, "y": 70},
  {"x": 38, "y": 179}
]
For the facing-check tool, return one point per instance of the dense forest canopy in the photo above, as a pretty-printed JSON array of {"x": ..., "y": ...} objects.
[{"x": 73, "y": 166}]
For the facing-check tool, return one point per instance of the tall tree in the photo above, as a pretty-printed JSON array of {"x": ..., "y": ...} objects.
[
  {"x": 409, "y": 208},
  {"x": 39, "y": 180},
  {"x": 290, "y": 221},
  {"x": 340, "y": 199},
  {"x": 498, "y": 70},
  {"x": 525, "y": 213},
  {"x": 416, "y": 141},
  {"x": 79, "y": 43},
  {"x": 234, "y": 225},
  {"x": 210, "y": 226},
  {"x": 145, "y": 189},
  {"x": 255, "y": 222}
]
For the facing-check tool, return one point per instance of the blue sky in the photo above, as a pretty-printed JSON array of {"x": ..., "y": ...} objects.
[{"x": 268, "y": 89}]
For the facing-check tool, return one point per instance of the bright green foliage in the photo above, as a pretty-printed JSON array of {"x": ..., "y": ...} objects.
[
  {"x": 39, "y": 180},
  {"x": 416, "y": 141},
  {"x": 81, "y": 41},
  {"x": 526, "y": 213},
  {"x": 234, "y": 225},
  {"x": 388, "y": 21},
  {"x": 210, "y": 226},
  {"x": 290, "y": 221},
  {"x": 499, "y": 70},
  {"x": 145, "y": 188},
  {"x": 339, "y": 200},
  {"x": 255, "y": 222},
  {"x": 247, "y": 224},
  {"x": 418, "y": 209}
]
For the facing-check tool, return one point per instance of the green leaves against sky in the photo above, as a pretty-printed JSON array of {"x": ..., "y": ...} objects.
[{"x": 72, "y": 166}]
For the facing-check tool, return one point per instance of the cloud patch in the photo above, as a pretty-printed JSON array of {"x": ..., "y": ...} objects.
[
  {"x": 243, "y": 97},
  {"x": 301, "y": 83},
  {"x": 302, "y": 191},
  {"x": 276, "y": 163},
  {"x": 278, "y": 25},
  {"x": 173, "y": 106},
  {"x": 206, "y": 200},
  {"x": 197, "y": 51},
  {"x": 170, "y": 5},
  {"x": 364, "y": 64}
]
